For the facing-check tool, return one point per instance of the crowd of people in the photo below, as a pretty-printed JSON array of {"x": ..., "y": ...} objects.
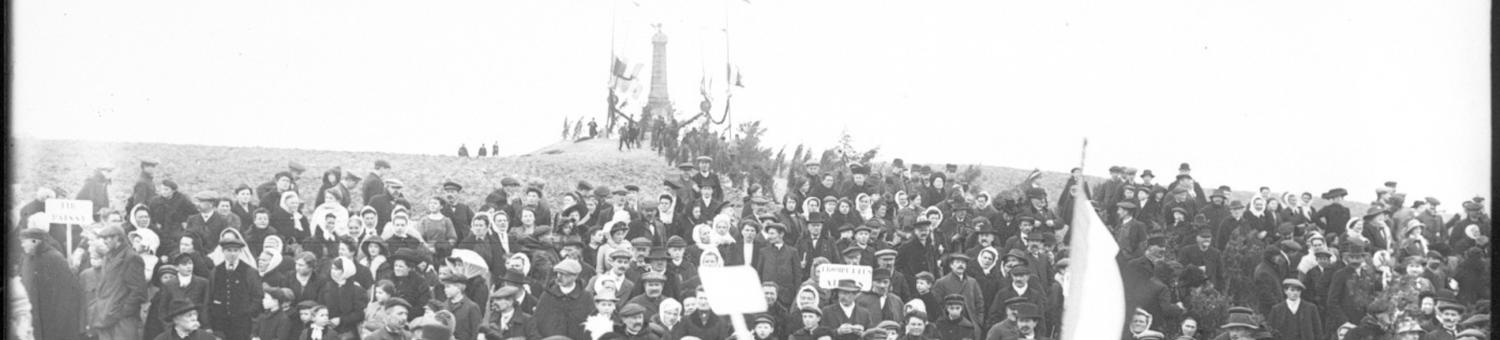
[{"x": 949, "y": 260}]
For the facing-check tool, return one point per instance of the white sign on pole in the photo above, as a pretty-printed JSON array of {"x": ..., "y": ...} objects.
[
  {"x": 829, "y": 275},
  {"x": 70, "y": 211},
  {"x": 733, "y": 290}
]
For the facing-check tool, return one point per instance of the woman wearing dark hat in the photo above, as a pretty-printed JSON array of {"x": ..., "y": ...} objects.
[
  {"x": 51, "y": 286},
  {"x": 1334, "y": 217},
  {"x": 411, "y": 281},
  {"x": 243, "y": 204},
  {"x": 332, "y": 188}
]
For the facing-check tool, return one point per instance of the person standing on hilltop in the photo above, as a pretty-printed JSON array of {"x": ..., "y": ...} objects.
[
  {"x": 96, "y": 188},
  {"x": 374, "y": 185},
  {"x": 293, "y": 169},
  {"x": 386, "y": 202},
  {"x": 593, "y": 128},
  {"x": 145, "y": 186},
  {"x": 495, "y": 149},
  {"x": 463, "y": 151},
  {"x": 482, "y": 152}
]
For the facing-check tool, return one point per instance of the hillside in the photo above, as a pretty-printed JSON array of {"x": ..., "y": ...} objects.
[{"x": 65, "y": 164}]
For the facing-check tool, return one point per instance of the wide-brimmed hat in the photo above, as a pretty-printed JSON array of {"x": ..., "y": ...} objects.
[
  {"x": 178, "y": 307},
  {"x": 848, "y": 286},
  {"x": 409, "y": 255},
  {"x": 1240, "y": 320},
  {"x": 1335, "y": 192}
]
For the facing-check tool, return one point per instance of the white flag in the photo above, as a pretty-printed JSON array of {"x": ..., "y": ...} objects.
[{"x": 1095, "y": 304}]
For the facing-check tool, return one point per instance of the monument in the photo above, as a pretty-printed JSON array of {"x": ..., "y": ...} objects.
[{"x": 657, "y": 103}]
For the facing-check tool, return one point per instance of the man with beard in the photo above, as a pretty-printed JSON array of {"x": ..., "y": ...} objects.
[
  {"x": 51, "y": 286},
  {"x": 183, "y": 316},
  {"x": 847, "y": 318},
  {"x": 564, "y": 305},
  {"x": 235, "y": 292},
  {"x": 1203, "y": 255}
]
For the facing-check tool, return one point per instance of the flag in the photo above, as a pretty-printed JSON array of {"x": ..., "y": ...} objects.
[
  {"x": 1095, "y": 305},
  {"x": 618, "y": 69}
]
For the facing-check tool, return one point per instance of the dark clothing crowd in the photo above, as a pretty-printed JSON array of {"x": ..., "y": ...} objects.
[{"x": 946, "y": 260}]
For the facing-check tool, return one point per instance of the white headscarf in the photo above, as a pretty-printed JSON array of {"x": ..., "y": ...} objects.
[
  {"x": 272, "y": 245},
  {"x": 1258, "y": 212}
]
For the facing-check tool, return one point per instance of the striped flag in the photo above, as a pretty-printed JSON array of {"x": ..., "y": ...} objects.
[{"x": 1095, "y": 304}]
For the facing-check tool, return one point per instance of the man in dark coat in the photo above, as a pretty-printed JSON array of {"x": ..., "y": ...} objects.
[
  {"x": 457, "y": 211},
  {"x": 235, "y": 292},
  {"x": 779, "y": 262},
  {"x": 1203, "y": 255},
  {"x": 293, "y": 172},
  {"x": 96, "y": 188},
  {"x": 1334, "y": 217},
  {"x": 1019, "y": 285},
  {"x": 1267, "y": 278},
  {"x": 564, "y": 305},
  {"x": 1318, "y": 279},
  {"x": 1294, "y": 318},
  {"x": 374, "y": 184},
  {"x": 1352, "y": 288},
  {"x": 386, "y": 202},
  {"x": 707, "y": 178},
  {"x": 54, "y": 290},
  {"x": 122, "y": 289},
  {"x": 207, "y": 224},
  {"x": 145, "y": 186},
  {"x": 919, "y": 254},
  {"x": 847, "y": 318}
]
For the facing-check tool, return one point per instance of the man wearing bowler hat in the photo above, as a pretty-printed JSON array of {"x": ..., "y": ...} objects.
[
  {"x": 847, "y": 318},
  {"x": 958, "y": 282},
  {"x": 235, "y": 292},
  {"x": 1353, "y": 288}
]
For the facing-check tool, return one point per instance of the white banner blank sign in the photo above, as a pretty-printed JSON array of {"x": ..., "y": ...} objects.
[
  {"x": 733, "y": 290},
  {"x": 829, "y": 275},
  {"x": 70, "y": 211}
]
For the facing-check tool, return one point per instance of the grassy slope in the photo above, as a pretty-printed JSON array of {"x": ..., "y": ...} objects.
[{"x": 65, "y": 164}]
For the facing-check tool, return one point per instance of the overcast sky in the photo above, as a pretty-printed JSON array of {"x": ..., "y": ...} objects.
[{"x": 1299, "y": 95}]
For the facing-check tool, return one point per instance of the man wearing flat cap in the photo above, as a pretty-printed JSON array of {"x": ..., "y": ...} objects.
[
  {"x": 1295, "y": 318},
  {"x": 564, "y": 305},
  {"x": 145, "y": 186},
  {"x": 207, "y": 223},
  {"x": 386, "y": 202},
  {"x": 505, "y": 321},
  {"x": 374, "y": 183},
  {"x": 121, "y": 290},
  {"x": 235, "y": 291},
  {"x": 457, "y": 211}
]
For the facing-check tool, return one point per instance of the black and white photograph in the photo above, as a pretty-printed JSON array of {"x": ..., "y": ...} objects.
[{"x": 761, "y": 169}]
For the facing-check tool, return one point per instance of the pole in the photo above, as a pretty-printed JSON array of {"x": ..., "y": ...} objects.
[{"x": 1084, "y": 154}]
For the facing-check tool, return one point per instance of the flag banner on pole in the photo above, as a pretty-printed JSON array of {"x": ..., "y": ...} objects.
[{"x": 1095, "y": 305}]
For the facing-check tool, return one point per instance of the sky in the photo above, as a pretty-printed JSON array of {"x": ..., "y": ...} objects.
[{"x": 1297, "y": 95}]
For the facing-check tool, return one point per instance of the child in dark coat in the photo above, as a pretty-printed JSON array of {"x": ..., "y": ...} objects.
[{"x": 276, "y": 322}]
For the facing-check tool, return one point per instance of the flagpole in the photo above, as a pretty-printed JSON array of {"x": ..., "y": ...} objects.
[{"x": 1084, "y": 154}]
